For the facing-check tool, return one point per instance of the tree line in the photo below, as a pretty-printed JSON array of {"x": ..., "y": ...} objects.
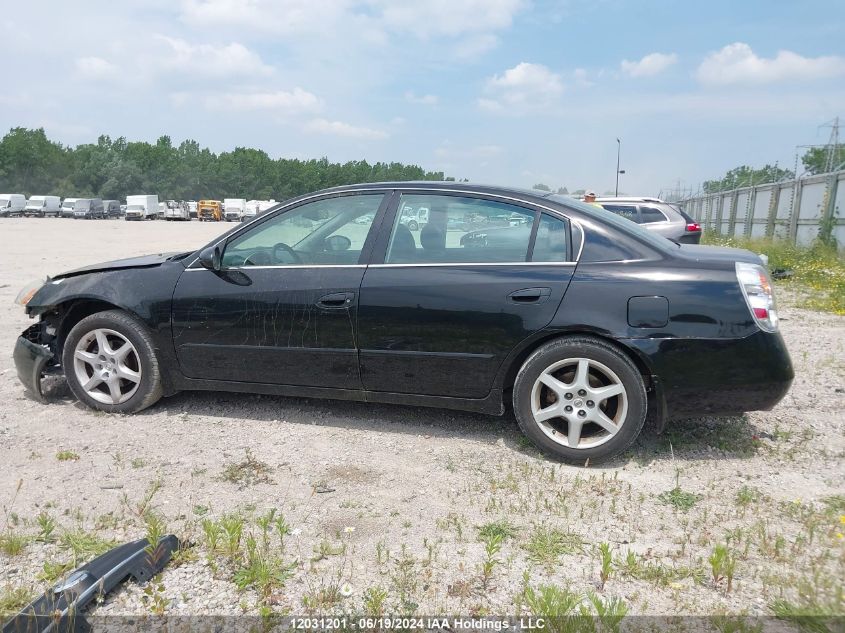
[
  {"x": 815, "y": 161},
  {"x": 32, "y": 164}
]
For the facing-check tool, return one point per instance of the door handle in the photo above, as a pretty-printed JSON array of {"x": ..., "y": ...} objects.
[
  {"x": 336, "y": 300},
  {"x": 530, "y": 295}
]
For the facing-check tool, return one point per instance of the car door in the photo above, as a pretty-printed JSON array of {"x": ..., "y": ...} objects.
[
  {"x": 441, "y": 307},
  {"x": 282, "y": 308}
]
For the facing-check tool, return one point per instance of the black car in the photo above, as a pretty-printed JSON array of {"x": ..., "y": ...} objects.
[{"x": 580, "y": 320}]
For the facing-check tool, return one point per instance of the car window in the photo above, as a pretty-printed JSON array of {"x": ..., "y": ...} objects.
[
  {"x": 552, "y": 241},
  {"x": 326, "y": 232},
  {"x": 627, "y": 211},
  {"x": 652, "y": 214},
  {"x": 453, "y": 229}
]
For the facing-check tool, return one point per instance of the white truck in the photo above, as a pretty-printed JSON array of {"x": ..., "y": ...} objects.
[
  {"x": 141, "y": 207},
  {"x": 67, "y": 207},
  {"x": 12, "y": 204},
  {"x": 256, "y": 207},
  {"x": 234, "y": 209},
  {"x": 42, "y": 206},
  {"x": 176, "y": 211}
]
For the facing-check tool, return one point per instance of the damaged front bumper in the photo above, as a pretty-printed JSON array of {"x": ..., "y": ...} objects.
[
  {"x": 60, "y": 608},
  {"x": 34, "y": 358}
]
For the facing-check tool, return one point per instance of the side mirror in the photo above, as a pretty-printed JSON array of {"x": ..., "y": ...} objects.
[{"x": 210, "y": 258}]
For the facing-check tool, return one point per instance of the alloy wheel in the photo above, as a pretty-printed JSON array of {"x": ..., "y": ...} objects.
[
  {"x": 579, "y": 403},
  {"x": 107, "y": 366}
]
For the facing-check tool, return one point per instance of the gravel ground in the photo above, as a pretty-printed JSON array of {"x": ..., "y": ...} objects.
[{"x": 394, "y": 498}]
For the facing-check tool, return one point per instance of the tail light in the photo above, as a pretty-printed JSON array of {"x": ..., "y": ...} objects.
[
  {"x": 693, "y": 227},
  {"x": 757, "y": 290}
]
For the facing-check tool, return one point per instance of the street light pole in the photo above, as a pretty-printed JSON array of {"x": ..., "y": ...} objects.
[{"x": 618, "y": 153}]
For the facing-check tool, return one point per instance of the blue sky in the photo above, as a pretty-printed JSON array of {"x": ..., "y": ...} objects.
[{"x": 500, "y": 91}]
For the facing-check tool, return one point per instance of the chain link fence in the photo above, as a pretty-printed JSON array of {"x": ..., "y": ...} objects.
[{"x": 801, "y": 210}]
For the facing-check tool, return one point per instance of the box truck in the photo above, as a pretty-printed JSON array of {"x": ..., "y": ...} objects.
[
  {"x": 234, "y": 208},
  {"x": 141, "y": 207}
]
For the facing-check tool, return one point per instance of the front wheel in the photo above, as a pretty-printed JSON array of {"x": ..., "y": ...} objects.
[
  {"x": 580, "y": 398},
  {"x": 110, "y": 363}
]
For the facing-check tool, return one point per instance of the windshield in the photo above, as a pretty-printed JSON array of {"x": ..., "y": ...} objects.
[
  {"x": 4, "y": 202},
  {"x": 135, "y": 207},
  {"x": 82, "y": 205},
  {"x": 608, "y": 217},
  {"x": 35, "y": 203}
]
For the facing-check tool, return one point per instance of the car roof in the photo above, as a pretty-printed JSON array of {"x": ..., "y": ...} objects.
[
  {"x": 448, "y": 185},
  {"x": 628, "y": 199}
]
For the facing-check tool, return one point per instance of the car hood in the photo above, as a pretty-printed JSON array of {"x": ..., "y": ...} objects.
[
  {"x": 144, "y": 261},
  {"x": 701, "y": 253}
]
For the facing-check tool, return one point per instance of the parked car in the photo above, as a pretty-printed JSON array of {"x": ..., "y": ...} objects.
[
  {"x": 12, "y": 204},
  {"x": 655, "y": 215},
  {"x": 67, "y": 207},
  {"x": 584, "y": 323},
  {"x": 141, "y": 207},
  {"x": 43, "y": 206},
  {"x": 88, "y": 209},
  {"x": 111, "y": 208},
  {"x": 192, "y": 209}
]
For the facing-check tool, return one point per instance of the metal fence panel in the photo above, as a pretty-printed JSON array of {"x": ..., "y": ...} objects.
[{"x": 793, "y": 210}]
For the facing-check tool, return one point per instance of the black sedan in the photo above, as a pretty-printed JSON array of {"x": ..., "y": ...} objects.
[{"x": 580, "y": 320}]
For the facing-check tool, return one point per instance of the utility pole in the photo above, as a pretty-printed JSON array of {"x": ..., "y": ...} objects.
[{"x": 618, "y": 154}]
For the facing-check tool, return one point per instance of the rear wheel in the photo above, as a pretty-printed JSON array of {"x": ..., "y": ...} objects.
[
  {"x": 110, "y": 363},
  {"x": 580, "y": 398}
]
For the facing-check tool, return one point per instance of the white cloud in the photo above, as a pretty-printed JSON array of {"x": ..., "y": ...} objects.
[
  {"x": 280, "y": 101},
  {"x": 420, "y": 18},
  {"x": 209, "y": 60},
  {"x": 737, "y": 63},
  {"x": 95, "y": 68},
  {"x": 426, "y": 18},
  {"x": 339, "y": 128},
  {"x": 650, "y": 65},
  {"x": 411, "y": 97},
  {"x": 526, "y": 86}
]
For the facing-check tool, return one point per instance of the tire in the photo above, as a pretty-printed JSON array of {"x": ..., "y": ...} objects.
[
  {"x": 147, "y": 389},
  {"x": 606, "y": 367}
]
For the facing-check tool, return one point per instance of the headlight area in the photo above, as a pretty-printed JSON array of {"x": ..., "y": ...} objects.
[
  {"x": 28, "y": 291},
  {"x": 35, "y": 355}
]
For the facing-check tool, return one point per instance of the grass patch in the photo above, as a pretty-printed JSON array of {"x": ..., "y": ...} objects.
[
  {"x": 635, "y": 567},
  {"x": 496, "y": 529},
  {"x": 546, "y": 545},
  {"x": 679, "y": 499},
  {"x": 12, "y": 544},
  {"x": 747, "y": 495},
  {"x": 247, "y": 472},
  {"x": 12, "y": 600},
  {"x": 67, "y": 456},
  {"x": 84, "y": 545},
  {"x": 818, "y": 270}
]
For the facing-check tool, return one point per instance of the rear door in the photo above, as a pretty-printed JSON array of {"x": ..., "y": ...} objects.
[{"x": 442, "y": 306}]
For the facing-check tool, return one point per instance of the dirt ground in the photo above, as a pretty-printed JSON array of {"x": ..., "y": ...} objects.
[{"x": 412, "y": 510}]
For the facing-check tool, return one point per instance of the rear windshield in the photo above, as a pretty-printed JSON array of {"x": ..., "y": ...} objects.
[{"x": 607, "y": 217}]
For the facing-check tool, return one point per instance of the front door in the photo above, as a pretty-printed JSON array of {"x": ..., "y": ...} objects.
[
  {"x": 454, "y": 297},
  {"x": 282, "y": 309}
]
